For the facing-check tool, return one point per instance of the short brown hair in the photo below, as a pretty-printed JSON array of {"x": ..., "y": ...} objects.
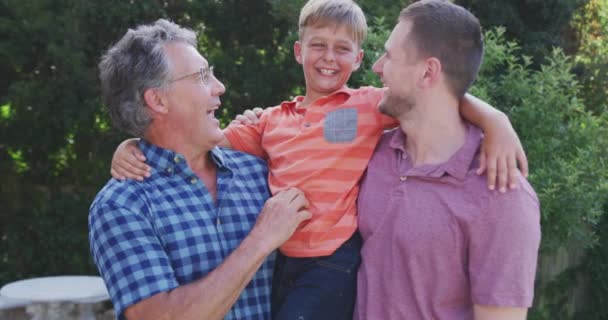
[
  {"x": 450, "y": 33},
  {"x": 339, "y": 12}
]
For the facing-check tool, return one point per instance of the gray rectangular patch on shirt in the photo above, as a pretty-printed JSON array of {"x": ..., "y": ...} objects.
[{"x": 340, "y": 126}]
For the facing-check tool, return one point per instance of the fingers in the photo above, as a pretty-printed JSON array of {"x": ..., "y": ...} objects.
[
  {"x": 523, "y": 162},
  {"x": 136, "y": 160},
  {"x": 137, "y": 154},
  {"x": 258, "y": 111},
  {"x": 482, "y": 163},
  {"x": 502, "y": 174},
  {"x": 243, "y": 120},
  {"x": 513, "y": 172},
  {"x": 116, "y": 176},
  {"x": 251, "y": 116},
  {"x": 304, "y": 215},
  {"x": 491, "y": 172},
  {"x": 296, "y": 198}
]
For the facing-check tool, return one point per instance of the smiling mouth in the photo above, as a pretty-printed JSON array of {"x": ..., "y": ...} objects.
[{"x": 328, "y": 72}]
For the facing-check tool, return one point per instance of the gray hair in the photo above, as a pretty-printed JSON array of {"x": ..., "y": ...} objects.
[{"x": 137, "y": 62}]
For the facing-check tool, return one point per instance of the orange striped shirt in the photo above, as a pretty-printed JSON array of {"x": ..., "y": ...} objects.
[{"x": 322, "y": 150}]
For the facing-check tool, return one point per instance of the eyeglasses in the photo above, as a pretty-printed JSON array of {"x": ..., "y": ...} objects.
[{"x": 206, "y": 73}]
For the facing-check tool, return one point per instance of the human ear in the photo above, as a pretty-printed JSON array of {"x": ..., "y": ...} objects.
[
  {"x": 155, "y": 100},
  {"x": 432, "y": 71},
  {"x": 359, "y": 59},
  {"x": 297, "y": 51}
]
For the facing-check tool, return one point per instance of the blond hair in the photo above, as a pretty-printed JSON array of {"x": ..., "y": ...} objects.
[{"x": 334, "y": 12}]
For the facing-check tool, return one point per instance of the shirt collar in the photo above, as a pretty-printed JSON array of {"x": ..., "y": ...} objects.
[
  {"x": 346, "y": 91},
  {"x": 458, "y": 164},
  {"x": 167, "y": 160}
]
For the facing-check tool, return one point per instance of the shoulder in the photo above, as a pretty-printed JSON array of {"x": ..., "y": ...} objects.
[
  {"x": 518, "y": 207},
  {"x": 243, "y": 162},
  {"x": 119, "y": 193},
  {"x": 368, "y": 94}
]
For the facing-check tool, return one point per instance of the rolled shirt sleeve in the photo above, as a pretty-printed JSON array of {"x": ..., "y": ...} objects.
[{"x": 129, "y": 255}]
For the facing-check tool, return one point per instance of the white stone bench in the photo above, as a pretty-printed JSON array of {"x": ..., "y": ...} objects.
[
  {"x": 13, "y": 309},
  {"x": 59, "y": 298}
]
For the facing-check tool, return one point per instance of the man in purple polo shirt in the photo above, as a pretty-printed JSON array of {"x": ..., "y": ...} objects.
[{"x": 437, "y": 243}]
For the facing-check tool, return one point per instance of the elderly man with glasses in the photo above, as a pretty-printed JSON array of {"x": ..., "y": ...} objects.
[{"x": 196, "y": 239}]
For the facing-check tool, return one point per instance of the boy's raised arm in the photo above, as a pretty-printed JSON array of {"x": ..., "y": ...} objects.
[{"x": 501, "y": 149}]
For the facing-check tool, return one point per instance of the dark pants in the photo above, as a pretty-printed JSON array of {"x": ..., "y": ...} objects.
[{"x": 317, "y": 288}]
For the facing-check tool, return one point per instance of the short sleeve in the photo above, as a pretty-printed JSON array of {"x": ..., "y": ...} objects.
[
  {"x": 503, "y": 249},
  {"x": 248, "y": 138},
  {"x": 128, "y": 255}
]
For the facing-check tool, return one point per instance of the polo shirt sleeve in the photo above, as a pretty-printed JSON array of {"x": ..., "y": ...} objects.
[
  {"x": 128, "y": 255},
  {"x": 248, "y": 138},
  {"x": 503, "y": 249}
]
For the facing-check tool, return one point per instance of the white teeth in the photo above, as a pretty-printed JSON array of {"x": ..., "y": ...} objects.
[{"x": 327, "y": 71}]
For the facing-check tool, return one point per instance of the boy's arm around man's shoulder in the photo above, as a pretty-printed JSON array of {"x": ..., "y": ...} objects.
[{"x": 247, "y": 134}]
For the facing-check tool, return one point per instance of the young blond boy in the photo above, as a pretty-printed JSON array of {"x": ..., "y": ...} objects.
[{"x": 321, "y": 143}]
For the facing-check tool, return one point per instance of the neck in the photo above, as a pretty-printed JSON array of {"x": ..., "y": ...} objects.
[
  {"x": 434, "y": 130},
  {"x": 311, "y": 96},
  {"x": 196, "y": 156}
]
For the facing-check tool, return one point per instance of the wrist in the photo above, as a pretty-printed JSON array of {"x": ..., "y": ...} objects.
[
  {"x": 259, "y": 243},
  {"x": 495, "y": 118}
]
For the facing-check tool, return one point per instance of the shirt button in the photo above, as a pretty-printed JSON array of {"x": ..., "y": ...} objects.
[
  {"x": 218, "y": 221},
  {"x": 193, "y": 180},
  {"x": 177, "y": 159},
  {"x": 403, "y": 178},
  {"x": 169, "y": 170},
  {"x": 307, "y": 124}
]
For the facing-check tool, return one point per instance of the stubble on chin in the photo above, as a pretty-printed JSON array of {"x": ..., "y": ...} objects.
[{"x": 396, "y": 106}]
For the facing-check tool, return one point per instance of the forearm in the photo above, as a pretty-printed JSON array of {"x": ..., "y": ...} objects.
[
  {"x": 478, "y": 111},
  {"x": 210, "y": 297},
  {"x": 499, "y": 313},
  {"x": 225, "y": 142}
]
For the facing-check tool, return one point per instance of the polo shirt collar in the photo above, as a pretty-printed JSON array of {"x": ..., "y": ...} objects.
[
  {"x": 459, "y": 163},
  {"x": 168, "y": 161},
  {"x": 292, "y": 104}
]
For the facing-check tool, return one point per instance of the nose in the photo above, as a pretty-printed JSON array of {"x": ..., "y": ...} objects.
[
  {"x": 218, "y": 87},
  {"x": 379, "y": 65},
  {"x": 329, "y": 55}
]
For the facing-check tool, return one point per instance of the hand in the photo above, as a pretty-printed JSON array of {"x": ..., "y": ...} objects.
[
  {"x": 248, "y": 117},
  {"x": 501, "y": 151},
  {"x": 280, "y": 217},
  {"x": 128, "y": 162}
]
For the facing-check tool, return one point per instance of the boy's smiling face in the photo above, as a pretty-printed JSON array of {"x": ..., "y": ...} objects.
[{"x": 328, "y": 54}]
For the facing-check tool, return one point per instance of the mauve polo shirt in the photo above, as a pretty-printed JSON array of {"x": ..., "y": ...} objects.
[{"x": 437, "y": 241}]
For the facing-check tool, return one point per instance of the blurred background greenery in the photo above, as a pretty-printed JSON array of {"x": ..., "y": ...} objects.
[{"x": 546, "y": 66}]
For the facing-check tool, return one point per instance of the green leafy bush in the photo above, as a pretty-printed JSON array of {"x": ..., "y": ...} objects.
[{"x": 567, "y": 146}]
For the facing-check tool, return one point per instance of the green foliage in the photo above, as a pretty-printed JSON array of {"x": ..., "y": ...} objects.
[
  {"x": 54, "y": 132},
  {"x": 591, "y": 25},
  {"x": 596, "y": 268},
  {"x": 566, "y": 146},
  {"x": 565, "y": 143},
  {"x": 378, "y": 32},
  {"x": 538, "y": 25}
]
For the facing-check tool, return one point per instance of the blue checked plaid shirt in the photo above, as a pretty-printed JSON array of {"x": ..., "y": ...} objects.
[{"x": 153, "y": 236}]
